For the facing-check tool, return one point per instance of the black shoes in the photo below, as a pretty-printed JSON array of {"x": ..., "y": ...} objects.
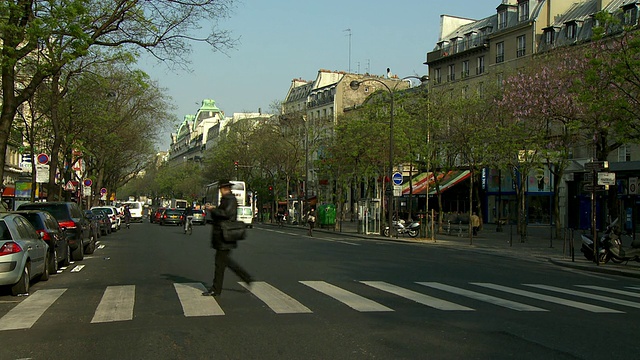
[{"x": 210, "y": 292}]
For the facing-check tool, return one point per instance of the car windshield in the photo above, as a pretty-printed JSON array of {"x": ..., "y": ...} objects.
[
  {"x": 173, "y": 212},
  {"x": 35, "y": 220},
  {"x": 58, "y": 211},
  {"x": 106, "y": 210}
]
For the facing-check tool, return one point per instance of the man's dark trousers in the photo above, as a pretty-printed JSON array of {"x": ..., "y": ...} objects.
[{"x": 224, "y": 260}]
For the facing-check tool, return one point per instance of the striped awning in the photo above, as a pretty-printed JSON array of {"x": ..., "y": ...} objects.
[{"x": 446, "y": 181}]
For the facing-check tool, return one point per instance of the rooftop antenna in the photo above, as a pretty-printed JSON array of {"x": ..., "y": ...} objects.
[{"x": 349, "y": 31}]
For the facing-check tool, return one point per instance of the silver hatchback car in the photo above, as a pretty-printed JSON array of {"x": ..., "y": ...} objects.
[{"x": 23, "y": 253}]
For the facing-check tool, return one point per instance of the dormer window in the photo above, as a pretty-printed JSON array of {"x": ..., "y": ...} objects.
[
  {"x": 572, "y": 30},
  {"x": 502, "y": 19},
  {"x": 630, "y": 15},
  {"x": 549, "y": 36},
  {"x": 523, "y": 10}
]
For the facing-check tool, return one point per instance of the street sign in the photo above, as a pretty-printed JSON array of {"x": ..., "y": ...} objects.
[
  {"x": 42, "y": 173},
  {"x": 591, "y": 187},
  {"x": 606, "y": 178},
  {"x": 42, "y": 159},
  {"x": 397, "y": 190},
  {"x": 103, "y": 191},
  {"x": 633, "y": 186},
  {"x": 596, "y": 165},
  {"x": 69, "y": 186},
  {"x": 397, "y": 178},
  {"x": 588, "y": 177},
  {"x": 87, "y": 182}
]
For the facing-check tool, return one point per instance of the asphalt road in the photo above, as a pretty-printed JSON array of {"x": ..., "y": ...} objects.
[{"x": 321, "y": 297}]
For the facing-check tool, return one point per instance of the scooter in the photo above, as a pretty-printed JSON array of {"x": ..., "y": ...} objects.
[
  {"x": 618, "y": 253},
  {"x": 603, "y": 252},
  {"x": 413, "y": 229}
]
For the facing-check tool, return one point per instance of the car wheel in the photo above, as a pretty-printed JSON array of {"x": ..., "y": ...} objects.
[
  {"x": 53, "y": 262},
  {"x": 45, "y": 269},
  {"x": 67, "y": 257},
  {"x": 22, "y": 286},
  {"x": 78, "y": 253}
]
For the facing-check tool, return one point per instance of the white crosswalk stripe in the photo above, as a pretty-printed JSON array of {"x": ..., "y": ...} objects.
[
  {"x": 483, "y": 297},
  {"x": 193, "y": 303},
  {"x": 552, "y": 299},
  {"x": 25, "y": 314},
  {"x": 417, "y": 297},
  {"x": 348, "y": 298},
  {"x": 116, "y": 304},
  {"x": 614, "y": 291},
  {"x": 278, "y": 301},
  {"x": 586, "y": 295}
]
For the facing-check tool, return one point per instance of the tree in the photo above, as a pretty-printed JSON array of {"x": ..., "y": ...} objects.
[{"x": 40, "y": 37}]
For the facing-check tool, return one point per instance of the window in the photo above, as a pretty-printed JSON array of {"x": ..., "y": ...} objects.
[
  {"x": 465, "y": 69},
  {"x": 480, "y": 65},
  {"x": 624, "y": 154},
  {"x": 522, "y": 43},
  {"x": 465, "y": 91},
  {"x": 572, "y": 29},
  {"x": 523, "y": 10},
  {"x": 549, "y": 36},
  {"x": 500, "y": 52},
  {"x": 502, "y": 19},
  {"x": 452, "y": 72},
  {"x": 630, "y": 16},
  {"x": 438, "y": 75},
  {"x": 481, "y": 90}
]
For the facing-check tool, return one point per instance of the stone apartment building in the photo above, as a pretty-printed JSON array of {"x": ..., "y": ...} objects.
[{"x": 473, "y": 54}]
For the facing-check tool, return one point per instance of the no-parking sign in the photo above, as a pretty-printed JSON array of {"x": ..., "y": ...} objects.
[{"x": 633, "y": 186}]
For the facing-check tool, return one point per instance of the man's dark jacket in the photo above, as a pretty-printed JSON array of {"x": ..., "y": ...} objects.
[{"x": 227, "y": 210}]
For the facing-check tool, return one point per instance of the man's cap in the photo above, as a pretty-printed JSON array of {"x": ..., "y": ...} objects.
[{"x": 224, "y": 183}]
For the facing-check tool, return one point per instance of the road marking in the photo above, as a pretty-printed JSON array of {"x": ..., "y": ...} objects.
[
  {"x": 586, "y": 295},
  {"x": 348, "y": 298},
  {"x": 615, "y": 291},
  {"x": 77, "y": 268},
  {"x": 552, "y": 299},
  {"x": 417, "y": 297},
  {"x": 483, "y": 297},
  {"x": 116, "y": 304},
  {"x": 193, "y": 303},
  {"x": 25, "y": 314},
  {"x": 278, "y": 301},
  {"x": 100, "y": 247}
]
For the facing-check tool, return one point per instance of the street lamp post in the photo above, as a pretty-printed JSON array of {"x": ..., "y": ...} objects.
[{"x": 354, "y": 85}]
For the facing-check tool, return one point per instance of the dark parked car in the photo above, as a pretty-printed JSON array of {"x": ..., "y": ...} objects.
[
  {"x": 70, "y": 217},
  {"x": 171, "y": 216},
  {"x": 104, "y": 220},
  {"x": 51, "y": 232}
]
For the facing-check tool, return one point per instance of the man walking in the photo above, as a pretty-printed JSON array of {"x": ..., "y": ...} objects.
[{"x": 227, "y": 210}]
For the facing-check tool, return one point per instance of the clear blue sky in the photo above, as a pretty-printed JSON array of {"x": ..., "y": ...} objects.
[{"x": 285, "y": 39}]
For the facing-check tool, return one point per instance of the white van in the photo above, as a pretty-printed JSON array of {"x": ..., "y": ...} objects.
[
  {"x": 135, "y": 208},
  {"x": 245, "y": 214}
]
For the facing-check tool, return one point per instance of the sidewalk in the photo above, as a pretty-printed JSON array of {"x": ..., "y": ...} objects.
[{"x": 537, "y": 246}]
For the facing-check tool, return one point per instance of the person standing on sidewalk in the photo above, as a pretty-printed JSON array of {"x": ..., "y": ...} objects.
[
  {"x": 475, "y": 223},
  {"x": 227, "y": 210},
  {"x": 311, "y": 220}
]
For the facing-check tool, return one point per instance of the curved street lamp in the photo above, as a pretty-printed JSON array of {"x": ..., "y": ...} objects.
[{"x": 354, "y": 85}]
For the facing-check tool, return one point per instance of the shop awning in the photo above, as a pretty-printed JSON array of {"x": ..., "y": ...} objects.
[{"x": 446, "y": 180}]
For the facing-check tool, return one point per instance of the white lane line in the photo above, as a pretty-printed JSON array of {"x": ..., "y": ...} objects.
[
  {"x": 552, "y": 299},
  {"x": 100, "y": 247},
  {"x": 483, "y": 297},
  {"x": 417, "y": 297},
  {"x": 615, "y": 291},
  {"x": 25, "y": 314},
  {"x": 278, "y": 301},
  {"x": 193, "y": 303},
  {"x": 587, "y": 295},
  {"x": 348, "y": 298},
  {"x": 116, "y": 304},
  {"x": 77, "y": 268}
]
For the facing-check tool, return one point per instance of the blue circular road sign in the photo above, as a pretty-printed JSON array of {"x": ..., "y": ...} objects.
[{"x": 397, "y": 178}]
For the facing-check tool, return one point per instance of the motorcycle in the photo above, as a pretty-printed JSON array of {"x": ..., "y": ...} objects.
[
  {"x": 618, "y": 253},
  {"x": 603, "y": 252},
  {"x": 412, "y": 229}
]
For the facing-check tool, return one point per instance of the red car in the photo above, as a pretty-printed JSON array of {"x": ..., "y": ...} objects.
[{"x": 155, "y": 217}]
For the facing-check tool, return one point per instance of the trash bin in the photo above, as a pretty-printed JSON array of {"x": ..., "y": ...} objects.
[{"x": 327, "y": 215}]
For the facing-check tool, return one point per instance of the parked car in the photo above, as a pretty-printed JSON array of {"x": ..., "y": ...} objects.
[
  {"x": 103, "y": 220},
  {"x": 51, "y": 232},
  {"x": 114, "y": 215},
  {"x": 155, "y": 218},
  {"x": 70, "y": 217},
  {"x": 171, "y": 216},
  {"x": 245, "y": 214},
  {"x": 23, "y": 254},
  {"x": 199, "y": 217}
]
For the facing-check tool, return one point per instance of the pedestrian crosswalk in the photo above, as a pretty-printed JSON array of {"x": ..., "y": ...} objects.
[{"x": 117, "y": 303}]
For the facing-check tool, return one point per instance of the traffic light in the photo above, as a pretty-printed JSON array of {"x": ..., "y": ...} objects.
[{"x": 235, "y": 164}]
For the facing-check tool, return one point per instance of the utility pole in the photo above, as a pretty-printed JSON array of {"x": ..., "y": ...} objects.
[{"x": 349, "y": 34}]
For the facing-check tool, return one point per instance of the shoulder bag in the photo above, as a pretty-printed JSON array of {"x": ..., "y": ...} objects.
[{"x": 233, "y": 231}]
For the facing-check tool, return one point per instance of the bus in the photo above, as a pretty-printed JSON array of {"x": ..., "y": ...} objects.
[{"x": 212, "y": 193}]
